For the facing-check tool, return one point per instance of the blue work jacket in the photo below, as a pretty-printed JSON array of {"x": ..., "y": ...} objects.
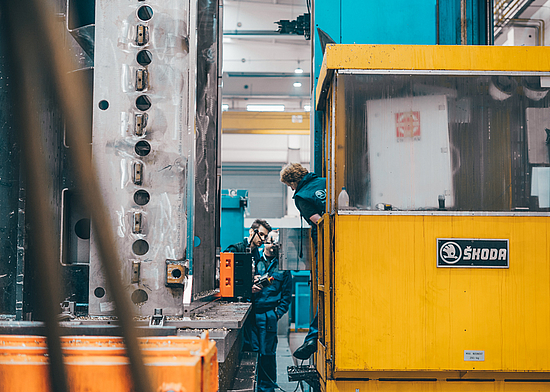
[{"x": 278, "y": 294}]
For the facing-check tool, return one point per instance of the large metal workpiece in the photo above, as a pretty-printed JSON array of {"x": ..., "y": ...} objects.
[{"x": 222, "y": 319}]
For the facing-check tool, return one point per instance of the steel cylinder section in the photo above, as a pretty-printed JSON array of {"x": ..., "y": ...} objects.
[{"x": 143, "y": 145}]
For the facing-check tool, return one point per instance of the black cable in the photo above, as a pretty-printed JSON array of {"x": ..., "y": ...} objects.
[
  {"x": 277, "y": 385},
  {"x": 301, "y": 235}
]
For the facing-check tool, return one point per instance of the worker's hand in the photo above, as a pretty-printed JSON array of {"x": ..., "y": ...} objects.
[
  {"x": 256, "y": 278},
  {"x": 256, "y": 289}
]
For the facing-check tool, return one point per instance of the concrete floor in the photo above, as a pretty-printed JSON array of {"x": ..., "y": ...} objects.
[{"x": 287, "y": 345}]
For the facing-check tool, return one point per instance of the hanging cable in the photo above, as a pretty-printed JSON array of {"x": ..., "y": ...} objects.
[{"x": 301, "y": 235}]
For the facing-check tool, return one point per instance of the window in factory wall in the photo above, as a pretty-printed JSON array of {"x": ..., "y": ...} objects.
[{"x": 266, "y": 193}]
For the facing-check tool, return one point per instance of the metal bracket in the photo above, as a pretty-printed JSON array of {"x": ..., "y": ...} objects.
[
  {"x": 138, "y": 223},
  {"x": 142, "y": 79},
  {"x": 142, "y": 35},
  {"x": 137, "y": 173},
  {"x": 140, "y": 124},
  {"x": 176, "y": 272},
  {"x": 157, "y": 319},
  {"x": 67, "y": 310},
  {"x": 136, "y": 269}
]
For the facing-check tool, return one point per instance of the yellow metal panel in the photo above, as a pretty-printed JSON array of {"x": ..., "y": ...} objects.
[
  {"x": 432, "y": 57},
  {"x": 395, "y": 310},
  {"x": 434, "y": 386},
  {"x": 285, "y": 123},
  {"x": 439, "y": 57}
]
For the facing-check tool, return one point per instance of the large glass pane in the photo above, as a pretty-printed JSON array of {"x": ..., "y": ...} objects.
[{"x": 454, "y": 142}]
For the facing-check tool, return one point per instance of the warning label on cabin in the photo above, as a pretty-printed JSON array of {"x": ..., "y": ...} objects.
[{"x": 407, "y": 125}]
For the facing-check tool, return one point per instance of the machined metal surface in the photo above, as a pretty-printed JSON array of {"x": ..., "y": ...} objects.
[
  {"x": 143, "y": 148},
  {"x": 207, "y": 159},
  {"x": 216, "y": 315},
  {"x": 223, "y": 320},
  {"x": 225, "y": 338}
]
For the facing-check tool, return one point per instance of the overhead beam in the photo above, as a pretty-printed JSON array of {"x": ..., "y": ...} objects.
[{"x": 271, "y": 123}]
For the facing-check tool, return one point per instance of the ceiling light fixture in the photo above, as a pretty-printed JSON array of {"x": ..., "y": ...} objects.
[
  {"x": 298, "y": 71},
  {"x": 265, "y": 108},
  {"x": 297, "y": 84}
]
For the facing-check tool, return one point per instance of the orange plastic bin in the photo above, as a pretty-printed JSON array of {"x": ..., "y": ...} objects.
[
  {"x": 97, "y": 363},
  {"x": 23, "y": 363}
]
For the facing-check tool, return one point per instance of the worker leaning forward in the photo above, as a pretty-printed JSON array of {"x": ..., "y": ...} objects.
[{"x": 310, "y": 192}]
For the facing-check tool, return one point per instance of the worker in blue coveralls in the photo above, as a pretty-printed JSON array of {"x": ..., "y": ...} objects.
[
  {"x": 256, "y": 235},
  {"x": 310, "y": 193},
  {"x": 271, "y": 296}
]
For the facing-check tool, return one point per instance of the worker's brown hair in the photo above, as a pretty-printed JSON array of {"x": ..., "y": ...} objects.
[
  {"x": 260, "y": 222},
  {"x": 293, "y": 173}
]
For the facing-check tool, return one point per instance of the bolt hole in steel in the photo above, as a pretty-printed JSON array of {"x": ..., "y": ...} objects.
[
  {"x": 140, "y": 247},
  {"x": 176, "y": 273},
  {"x": 145, "y": 12},
  {"x": 144, "y": 57},
  {"x": 143, "y": 102},
  {"x": 82, "y": 229},
  {"x": 141, "y": 197},
  {"x": 139, "y": 296},
  {"x": 142, "y": 148},
  {"x": 99, "y": 292},
  {"x": 104, "y": 105}
]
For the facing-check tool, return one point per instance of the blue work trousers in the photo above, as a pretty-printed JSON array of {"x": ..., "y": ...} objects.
[{"x": 261, "y": 337}]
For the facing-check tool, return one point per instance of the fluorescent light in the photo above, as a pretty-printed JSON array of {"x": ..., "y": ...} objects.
[
  {"x": 298, "y": 70},
  {"x": 307, "y": 108},
  {"x": 265, "y": 108},
  {"x": 297, "y": 84},
  {"x": 225, "y": 107}
]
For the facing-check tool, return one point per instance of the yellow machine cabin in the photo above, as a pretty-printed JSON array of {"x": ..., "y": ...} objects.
[{"x": 437, "y": 276}]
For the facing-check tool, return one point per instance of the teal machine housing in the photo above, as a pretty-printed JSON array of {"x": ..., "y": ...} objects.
[{"x": 234, "y": 203}]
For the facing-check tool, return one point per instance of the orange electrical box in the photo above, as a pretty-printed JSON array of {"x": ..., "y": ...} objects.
[
  {"x": 227, "y": 264},
  {"x": 236, "y": 274}
]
